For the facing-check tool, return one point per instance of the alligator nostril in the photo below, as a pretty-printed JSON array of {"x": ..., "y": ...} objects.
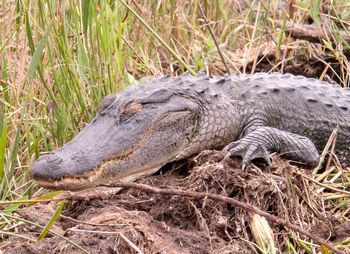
[{"x": 53, "y": 158}]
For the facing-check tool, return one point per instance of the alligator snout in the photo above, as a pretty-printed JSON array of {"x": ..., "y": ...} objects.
[
  {"x": 55, "y": 166},
  {"x": 47, "y": 167}
]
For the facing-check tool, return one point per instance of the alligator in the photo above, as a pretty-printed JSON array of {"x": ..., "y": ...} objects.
[{"x": 166, "y": 119}]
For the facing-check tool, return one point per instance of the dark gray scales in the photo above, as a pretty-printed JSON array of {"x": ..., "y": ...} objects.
[
  {"x": 292, "y": 115},
  {"x": 166, "y": 119}
]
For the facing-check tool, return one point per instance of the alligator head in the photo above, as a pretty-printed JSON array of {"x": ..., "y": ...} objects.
[{"x": 134, "y": 134}]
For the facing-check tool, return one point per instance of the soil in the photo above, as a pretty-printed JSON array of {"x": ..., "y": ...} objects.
[{"x": 135, "y": 221}]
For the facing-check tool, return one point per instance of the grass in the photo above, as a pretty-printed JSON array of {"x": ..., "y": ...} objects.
[{"x": 59, "y": 58}]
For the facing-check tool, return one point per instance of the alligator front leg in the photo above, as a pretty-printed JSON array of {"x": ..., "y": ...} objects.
[{"x": 263, "y": 140}]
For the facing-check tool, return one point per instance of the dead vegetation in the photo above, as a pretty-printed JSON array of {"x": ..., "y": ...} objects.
[
  {"x": 141, "y": 221},
  {"x": 253, "y": 36}
]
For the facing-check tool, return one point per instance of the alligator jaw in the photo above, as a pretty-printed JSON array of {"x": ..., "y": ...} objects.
[
  {"x": 83, "y": 182},
  {"x": 135, "y": 133}
]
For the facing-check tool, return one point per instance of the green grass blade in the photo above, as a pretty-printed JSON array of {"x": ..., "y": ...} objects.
[
  {"x": 29, "y": 34},
  {"x": 13, "y": 207},
  {"x": 51, "y": 221},
  {"x": 3, "y": 143},
  {"x": 13, "y": 154},
  {"x": 6, "y": 42},
  {"x": 5, "y": 75},
  {"x": 49, "y": 195},
  {"x": 315, "y": 11},
  {"x": 38, "y": 54},
  {"x": 86, "y": 15},
  {"x": 281, "y": 33}
]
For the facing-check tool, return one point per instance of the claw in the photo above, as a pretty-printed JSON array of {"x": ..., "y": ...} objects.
[
  {"x": 260, "y": 142},
  {"x": 248, "y": 151}
]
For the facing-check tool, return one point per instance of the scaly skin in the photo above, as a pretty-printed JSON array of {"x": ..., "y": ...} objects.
[{"x": 166, "y": 119}]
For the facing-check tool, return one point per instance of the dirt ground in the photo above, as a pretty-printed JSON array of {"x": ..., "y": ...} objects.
[{"x": 136, "y": 221}]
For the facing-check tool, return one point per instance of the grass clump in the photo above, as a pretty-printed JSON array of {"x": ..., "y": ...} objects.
[{"x": 59, "y": 58}]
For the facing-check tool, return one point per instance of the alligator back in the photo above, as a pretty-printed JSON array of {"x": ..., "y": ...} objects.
[{"x": 300, "y": 105}]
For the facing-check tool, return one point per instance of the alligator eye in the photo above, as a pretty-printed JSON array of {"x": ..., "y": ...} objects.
[{"x": 132, "y": 108}]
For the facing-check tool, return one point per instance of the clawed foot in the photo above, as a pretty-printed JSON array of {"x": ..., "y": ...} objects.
[
  {"x": 248, "y": 151},
  {"x": 263, "y": 140}
]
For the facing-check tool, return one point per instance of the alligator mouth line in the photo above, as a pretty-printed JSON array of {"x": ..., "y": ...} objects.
[
  {"x": 93, "y": 178},
  {"x": 81, "y": 182}
]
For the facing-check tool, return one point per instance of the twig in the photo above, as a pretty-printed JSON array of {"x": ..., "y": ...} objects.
[
  {"x": 202, "y": 195},
  {"x": 213, "y": 36},
  {"x": 309, "y": 32}
]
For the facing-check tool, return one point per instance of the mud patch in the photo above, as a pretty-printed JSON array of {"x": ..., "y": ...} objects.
[{"x": 136, "y": 221}]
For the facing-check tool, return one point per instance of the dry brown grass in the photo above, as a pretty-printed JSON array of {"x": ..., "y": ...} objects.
[{"x": 76, "y": 67}]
